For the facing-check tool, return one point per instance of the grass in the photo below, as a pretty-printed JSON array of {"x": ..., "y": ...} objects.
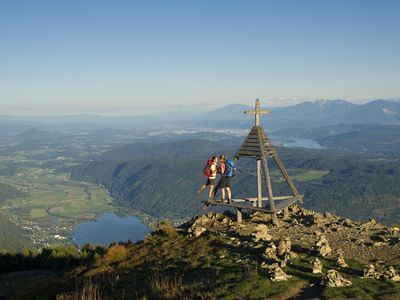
[{"x": 172, "y": 265}]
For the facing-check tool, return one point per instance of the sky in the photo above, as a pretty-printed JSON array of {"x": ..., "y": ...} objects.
[{"x": 66, "y": 56}]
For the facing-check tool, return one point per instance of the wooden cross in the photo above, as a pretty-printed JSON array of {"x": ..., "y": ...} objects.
[{"x": 257, "y": 112}]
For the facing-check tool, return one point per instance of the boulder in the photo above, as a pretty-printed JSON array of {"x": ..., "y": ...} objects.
[
  {"x": 199, "y": 231},
  {"x": 335, "y": 279}
]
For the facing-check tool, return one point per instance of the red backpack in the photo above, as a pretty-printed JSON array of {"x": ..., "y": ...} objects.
[{"x": 207, "y": 168}]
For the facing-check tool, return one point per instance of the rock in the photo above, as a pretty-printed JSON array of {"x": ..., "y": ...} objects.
[
  {"x": 348, "y": 222},
  {"x": 270, "y": 252},
  {"x": 327, "y": 215},
  {"x": 284, "y": 246},
  {"x": 334, "y": 279},
  {"x": 317, "y": 266},
  {"x": 391, "y": 274},
  {"x": 261, "y": 233},
  {"x": 380, "y": 244},
  {"x": 322, "y": 246},
  {"x": 226, "y": 221},
  {"x": 259, "y": 217},
  {"x": 199, "y": 231},
  {"x": 370, "y": 272},
  {"x": 277, "y": 274},
  {"x": 340, "y": 260},
  {"x": 294, "y": 209}
]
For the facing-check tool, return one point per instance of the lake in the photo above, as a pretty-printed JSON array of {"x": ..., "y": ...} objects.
[
  {"x": 291, "y": 142},
  {"x": 110, "y": 228}
]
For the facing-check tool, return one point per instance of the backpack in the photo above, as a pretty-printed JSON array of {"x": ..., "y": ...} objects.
[
  {"x": 207, "y": 168},
  {"x": 229, "y": 168}
]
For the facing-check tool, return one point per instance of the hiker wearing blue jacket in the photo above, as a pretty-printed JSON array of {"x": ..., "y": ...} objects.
[
  {"x": 226, "y": 184},
  {"x": 226, "y": 170}
]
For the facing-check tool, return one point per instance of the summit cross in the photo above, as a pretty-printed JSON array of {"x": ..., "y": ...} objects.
[{"x": 257, "y": 112}]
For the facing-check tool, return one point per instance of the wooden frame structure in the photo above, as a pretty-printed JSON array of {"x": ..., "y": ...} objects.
[{"x": 258, "y": 146}]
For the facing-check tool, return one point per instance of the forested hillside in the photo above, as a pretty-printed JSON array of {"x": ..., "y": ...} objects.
[
  {"x": 330, "y": 182},
  {"x": 7, "y": 191},
  {"x": 11, "y": 236}
]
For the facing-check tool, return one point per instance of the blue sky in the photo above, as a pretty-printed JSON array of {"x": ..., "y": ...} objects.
[{"x": 64, "y": 56}]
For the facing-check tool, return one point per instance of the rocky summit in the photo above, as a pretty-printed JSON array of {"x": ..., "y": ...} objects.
[{"x": 310, "y": 255}]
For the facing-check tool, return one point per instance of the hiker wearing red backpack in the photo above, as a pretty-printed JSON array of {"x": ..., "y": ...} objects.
[{"x": 210, "y": 170}]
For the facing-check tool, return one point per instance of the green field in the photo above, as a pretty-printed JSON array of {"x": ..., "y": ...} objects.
[{"x": 51, "y": 195}]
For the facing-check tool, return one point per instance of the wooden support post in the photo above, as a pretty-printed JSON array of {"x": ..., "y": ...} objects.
[
  {"x": 267, "y": 178},
  {"x": 286, "y": 176},
  {"x": 286, "y": 213},
  {"x": 259, "y": 184},
  {"x": 239, "y": 217},
  {"x": 269, "y": 190}
]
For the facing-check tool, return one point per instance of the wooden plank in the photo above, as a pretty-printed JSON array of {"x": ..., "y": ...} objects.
[
  {"x": 239, "y": 206},
  {"x": 286, "y": 203}
]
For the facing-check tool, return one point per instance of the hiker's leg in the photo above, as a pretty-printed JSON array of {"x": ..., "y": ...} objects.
[
  {"x": 228, "y": 191},
  {"x": 217, "y": 188},
  {"x": 222, "y": 195},
  {"x": 201, "y": 188},
  {"x": 211, "y": 192}
]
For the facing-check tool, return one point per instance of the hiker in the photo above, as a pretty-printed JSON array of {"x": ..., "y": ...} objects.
[
  {"x": 227, "y": 171},
  {"x": 221, "y": 182},
  {"x": 210, "y": 170}
]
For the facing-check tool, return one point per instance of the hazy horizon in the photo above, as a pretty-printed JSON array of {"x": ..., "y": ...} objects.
[{"x": 161, "y": 109}]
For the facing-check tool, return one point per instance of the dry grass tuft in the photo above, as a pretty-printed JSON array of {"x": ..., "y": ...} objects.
[
  {"x": 116, "y": 253},
  {"x": 165, "y": 227},
  {"x": 164, "y": 287}
]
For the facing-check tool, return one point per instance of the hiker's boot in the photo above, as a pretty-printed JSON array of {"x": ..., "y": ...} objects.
[{"x": 230, "y": 201}]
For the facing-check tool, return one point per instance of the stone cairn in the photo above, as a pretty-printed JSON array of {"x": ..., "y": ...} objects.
[
  {"x": 390, "y": 273},
  {"x": 334, "y": 279},
  {"x": 276, "y": 273},
  {"x": 340, "y": 259},
  {"x": 270, "y": 252},
  {"x": 322, "y": 246},
  {"x": 370, "y": 272},
  {"x": 317, "y": 266},
  {"x": 260, "y": 233}
]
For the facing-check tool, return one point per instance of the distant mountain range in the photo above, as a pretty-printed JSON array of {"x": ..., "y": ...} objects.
[{"x": 320, "y": 112}]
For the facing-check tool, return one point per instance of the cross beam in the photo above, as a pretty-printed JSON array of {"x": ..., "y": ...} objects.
[{"x": 257, "y": 112}]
